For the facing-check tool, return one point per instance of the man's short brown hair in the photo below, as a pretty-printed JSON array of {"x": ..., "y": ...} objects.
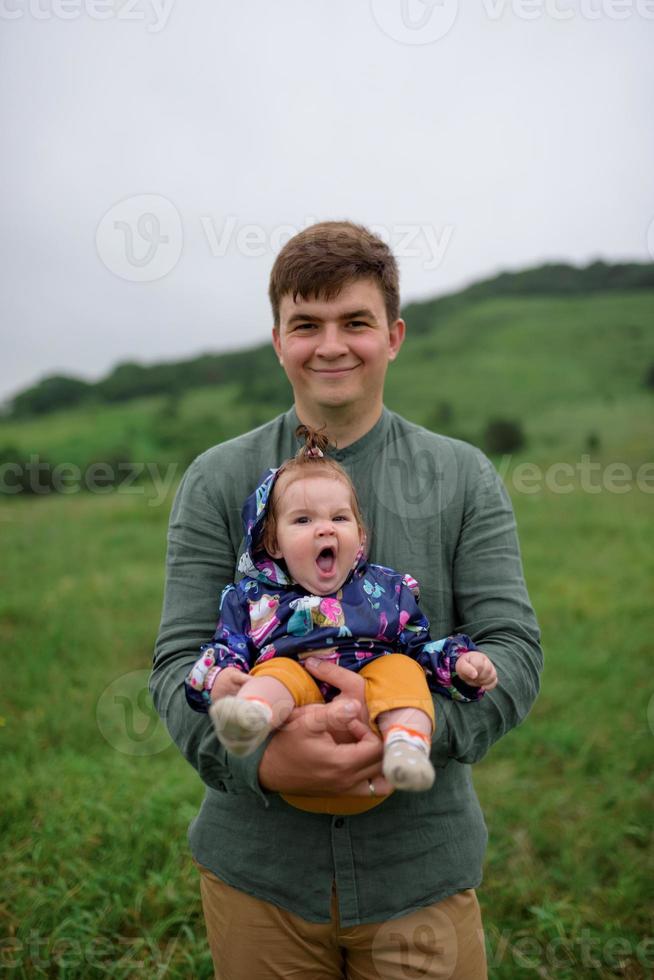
[{"x": 320, "y": 261}]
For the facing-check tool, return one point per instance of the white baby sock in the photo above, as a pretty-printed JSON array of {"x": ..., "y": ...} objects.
[
  {"x": 406, "y": 763},
  {"x": 241, "y": 723}
]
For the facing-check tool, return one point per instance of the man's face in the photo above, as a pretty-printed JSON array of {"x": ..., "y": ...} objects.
[
  {"x": 317, "y": 533},
  {"x": 336, "y": 352}
]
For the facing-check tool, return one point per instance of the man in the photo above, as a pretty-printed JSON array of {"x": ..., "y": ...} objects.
[{"x": 286, "y": 892}]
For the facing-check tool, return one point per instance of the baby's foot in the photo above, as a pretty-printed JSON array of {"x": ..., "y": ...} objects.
[
  {"x": 406, "y": 763},
  {"x": 241, "y": 724}
]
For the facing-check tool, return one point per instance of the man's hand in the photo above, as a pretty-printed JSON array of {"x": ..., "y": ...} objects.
[
  {"x": 353, "y": 689},
  {"x": 326, "y": 749},
  {"x": 475, "y": 668}
]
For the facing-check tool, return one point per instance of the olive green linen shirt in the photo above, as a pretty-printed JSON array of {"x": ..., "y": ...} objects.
[{"x": 436, "y": 508}]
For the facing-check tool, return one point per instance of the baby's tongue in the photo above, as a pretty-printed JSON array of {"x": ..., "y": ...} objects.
[{"x": 325, "y": 561}]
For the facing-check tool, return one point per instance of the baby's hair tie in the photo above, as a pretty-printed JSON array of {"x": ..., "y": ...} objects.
[{"x": 315, "y": 442}]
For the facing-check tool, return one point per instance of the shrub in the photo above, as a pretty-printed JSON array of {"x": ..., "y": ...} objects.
[{"x": 503, "y": 436}]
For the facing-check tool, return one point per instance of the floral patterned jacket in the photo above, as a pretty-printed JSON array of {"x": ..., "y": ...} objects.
[{"x": 374, "y": 613}]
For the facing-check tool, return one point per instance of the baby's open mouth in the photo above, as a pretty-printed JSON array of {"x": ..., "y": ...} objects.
[{"x": 326, "y": 560}]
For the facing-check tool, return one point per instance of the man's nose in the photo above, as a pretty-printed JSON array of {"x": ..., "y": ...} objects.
[{"x": 332, "y": 343}]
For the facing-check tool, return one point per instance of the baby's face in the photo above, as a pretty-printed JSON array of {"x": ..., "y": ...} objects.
[{"x": 317, "y": 533}]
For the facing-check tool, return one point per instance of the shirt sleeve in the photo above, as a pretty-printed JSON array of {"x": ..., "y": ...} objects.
[
  {"x": 436, "y": 657},
  {"x": 231, "y": 646},
  {"x": 492, "y": 607},
  {"x": 200, "y": 562}
]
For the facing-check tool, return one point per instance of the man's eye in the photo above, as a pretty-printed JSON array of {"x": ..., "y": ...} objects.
[
  {"x": 357, "y": 323},
  {"x": 305, "y": 326}
]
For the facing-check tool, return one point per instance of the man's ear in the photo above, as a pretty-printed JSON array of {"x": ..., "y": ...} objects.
[
  {"x": 277, "y": 344},
  {"x": 396, "y": 334}
]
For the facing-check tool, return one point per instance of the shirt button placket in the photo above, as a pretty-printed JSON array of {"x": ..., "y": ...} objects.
[{"x": 348, "y": 902}]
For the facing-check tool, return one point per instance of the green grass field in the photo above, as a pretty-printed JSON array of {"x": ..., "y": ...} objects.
[{"x": 96, "y": 801}]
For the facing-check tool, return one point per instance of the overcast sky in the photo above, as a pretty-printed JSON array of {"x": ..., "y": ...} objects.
[{"x": 157, "y": 153}]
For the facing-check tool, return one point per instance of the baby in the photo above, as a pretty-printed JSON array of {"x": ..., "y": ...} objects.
[{"x": 308, "y": 590}]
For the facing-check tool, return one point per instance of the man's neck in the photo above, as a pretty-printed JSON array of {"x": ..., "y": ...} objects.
[{"x": 342, "y": 425}]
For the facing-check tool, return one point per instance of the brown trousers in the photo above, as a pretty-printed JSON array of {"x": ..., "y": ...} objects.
[{"x": 253, "y": 940}]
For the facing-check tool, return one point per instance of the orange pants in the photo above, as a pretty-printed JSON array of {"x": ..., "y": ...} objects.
[
  {"x": 392, "y": 681},
  {"x": 251, "y": 938}
]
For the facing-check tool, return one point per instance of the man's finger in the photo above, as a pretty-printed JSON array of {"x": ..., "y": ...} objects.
[{"x": 347, "y": 681}]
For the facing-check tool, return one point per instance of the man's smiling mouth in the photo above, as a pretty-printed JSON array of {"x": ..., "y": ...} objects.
[{"x": 343, "y": 370}]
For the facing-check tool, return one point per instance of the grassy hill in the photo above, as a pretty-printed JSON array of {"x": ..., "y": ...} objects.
[{"x": 570, "y": 369}]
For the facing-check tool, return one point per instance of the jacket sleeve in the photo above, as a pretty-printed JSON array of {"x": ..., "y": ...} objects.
[
  {"x": 492, "y": 606},
  {"x": 200, "y": 562},
  {"x": 231, "y": 646},
  {"x": 436, "y": 657}
]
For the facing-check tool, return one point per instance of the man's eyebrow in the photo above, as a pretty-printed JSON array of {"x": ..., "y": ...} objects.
[{"x": 348, "y": 315}]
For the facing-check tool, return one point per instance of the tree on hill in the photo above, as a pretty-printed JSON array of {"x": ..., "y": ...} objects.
[
  {"x": 57, "y": 391},
  {"x": 503, "y": 436}
]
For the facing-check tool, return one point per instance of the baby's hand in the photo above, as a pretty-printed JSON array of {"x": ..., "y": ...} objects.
[
  {"x": 476, "y": 669},
  {"x": 228, "y": 681}
]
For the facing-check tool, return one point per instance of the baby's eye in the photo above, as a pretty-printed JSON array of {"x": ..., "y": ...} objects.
[
  {"x": 341, "y": 517},
  {"x": 302, "y": 520}
]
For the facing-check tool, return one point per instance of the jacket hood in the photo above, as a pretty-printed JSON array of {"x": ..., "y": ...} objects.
[{"x": 255, "y": 562}]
